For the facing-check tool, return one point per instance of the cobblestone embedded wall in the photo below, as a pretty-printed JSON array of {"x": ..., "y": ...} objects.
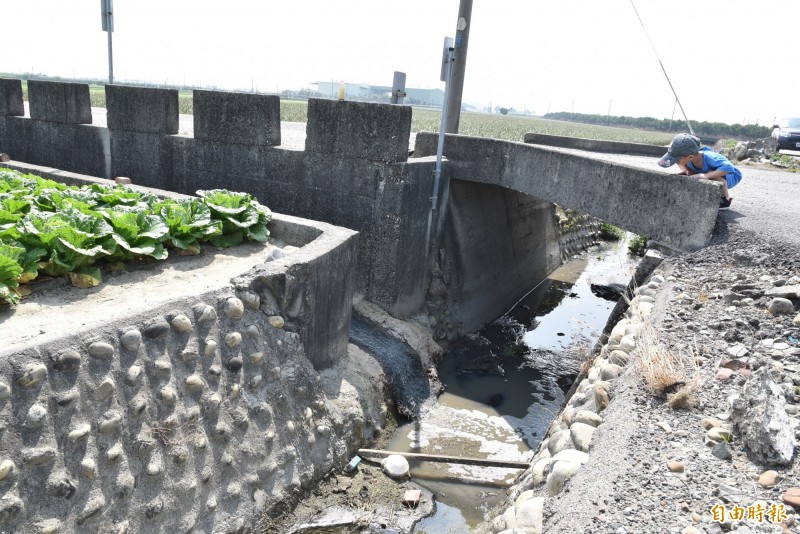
[
  {"x": 193, "y": 415},
  {"x": 190, "y": 419}
]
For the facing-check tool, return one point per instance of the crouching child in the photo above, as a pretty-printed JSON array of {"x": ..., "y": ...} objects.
[{"x": 701, "y": 162}]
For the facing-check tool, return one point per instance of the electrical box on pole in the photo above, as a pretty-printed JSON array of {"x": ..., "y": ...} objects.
[{"x": 107, "y": 17}]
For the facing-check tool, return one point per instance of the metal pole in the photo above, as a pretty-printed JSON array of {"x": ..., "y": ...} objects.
[
  {"x": 453, "y": 100},
  {"x": 107, "y": 18},
  {"x": 437, "y": 172},
  {"x": 110, "y": 58}
]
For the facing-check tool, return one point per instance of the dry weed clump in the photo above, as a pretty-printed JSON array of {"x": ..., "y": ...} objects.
[{"x": 666, "y": 372}]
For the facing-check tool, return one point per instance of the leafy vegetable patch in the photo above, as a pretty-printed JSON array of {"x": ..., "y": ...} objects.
[{"x": 47, "y": 227}]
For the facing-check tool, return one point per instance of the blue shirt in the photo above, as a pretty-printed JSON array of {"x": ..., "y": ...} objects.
[{"x": 713, "y": 161}]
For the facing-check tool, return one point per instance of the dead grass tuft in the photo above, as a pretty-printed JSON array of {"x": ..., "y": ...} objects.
[
  {"x": 665, "y": 372},
  {"x": 683, "y": 398}
]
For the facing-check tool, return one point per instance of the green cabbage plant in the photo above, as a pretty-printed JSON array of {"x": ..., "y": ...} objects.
[{"x": 48, "y": 227}]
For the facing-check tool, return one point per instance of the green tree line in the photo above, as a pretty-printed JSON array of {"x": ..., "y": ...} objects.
[{"x": 715, "y": 130}]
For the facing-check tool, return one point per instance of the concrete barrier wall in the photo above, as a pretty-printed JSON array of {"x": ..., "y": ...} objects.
[
  {"x": 11, "y": 102},
  {"x": 68, "y": 103},
  {"x": 194, "y": 415},
  {"x": 677, "y": 211},
  {"x": 238, "y": 118},
  {"x": 371, "y": 189},
  {"x": 59, "y": 132},
  {"x": 353, "y": 172}
]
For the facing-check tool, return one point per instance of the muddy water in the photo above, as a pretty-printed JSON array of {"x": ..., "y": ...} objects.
[{"x": 504, "y": 385}]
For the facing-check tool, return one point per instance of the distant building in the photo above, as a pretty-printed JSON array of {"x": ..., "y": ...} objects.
[{"x": 361, "y": 91}]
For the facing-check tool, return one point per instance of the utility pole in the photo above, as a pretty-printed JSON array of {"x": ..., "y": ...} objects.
[
  {"x": 459, "y": 66},
  {"x": 107, "y": 13}
]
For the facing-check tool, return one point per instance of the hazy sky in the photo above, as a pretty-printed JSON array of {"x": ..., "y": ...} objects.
[{"x": 729, "y": 60}]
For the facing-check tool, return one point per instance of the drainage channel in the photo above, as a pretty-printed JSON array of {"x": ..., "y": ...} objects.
[{"x": 504, "y": 385}]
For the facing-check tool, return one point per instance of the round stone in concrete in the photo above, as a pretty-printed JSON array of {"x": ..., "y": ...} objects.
[
  {"x": 182, "y": 324},
  {"x": 538, "y": 470},
  {"x": 131, "y": 340},
  {"x": 559, "y": 442},
  {"x": 619, "y": 357},
  {"x": 610, "y": 371},
  {"x": 234, "y": 308},
  {"x": 587, "y": 417},
  {"x": 530, "y": 516},
  {"x": 581, "y": 434},
  {"x": 571, "y": 455},
  {"x": 562, "y": 471},
  {"x": 32, "y": 374},
  {"x": 101, "y": 350}
]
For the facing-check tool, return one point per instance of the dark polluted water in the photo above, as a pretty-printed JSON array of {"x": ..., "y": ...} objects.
[{"x": 504, "y": 385}]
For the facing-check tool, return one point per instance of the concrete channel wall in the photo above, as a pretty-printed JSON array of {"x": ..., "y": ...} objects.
[
  {"x": 354, "y": 172},
  {"x": 192, "y": 414}
]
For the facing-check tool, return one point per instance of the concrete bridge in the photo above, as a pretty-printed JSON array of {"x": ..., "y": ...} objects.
[
  {"x": 677, "y": 211},
  {"x": 493, "y": 237}
]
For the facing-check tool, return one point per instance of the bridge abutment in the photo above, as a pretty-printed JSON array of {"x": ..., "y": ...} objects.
[{"x": 496, "y": 244}]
